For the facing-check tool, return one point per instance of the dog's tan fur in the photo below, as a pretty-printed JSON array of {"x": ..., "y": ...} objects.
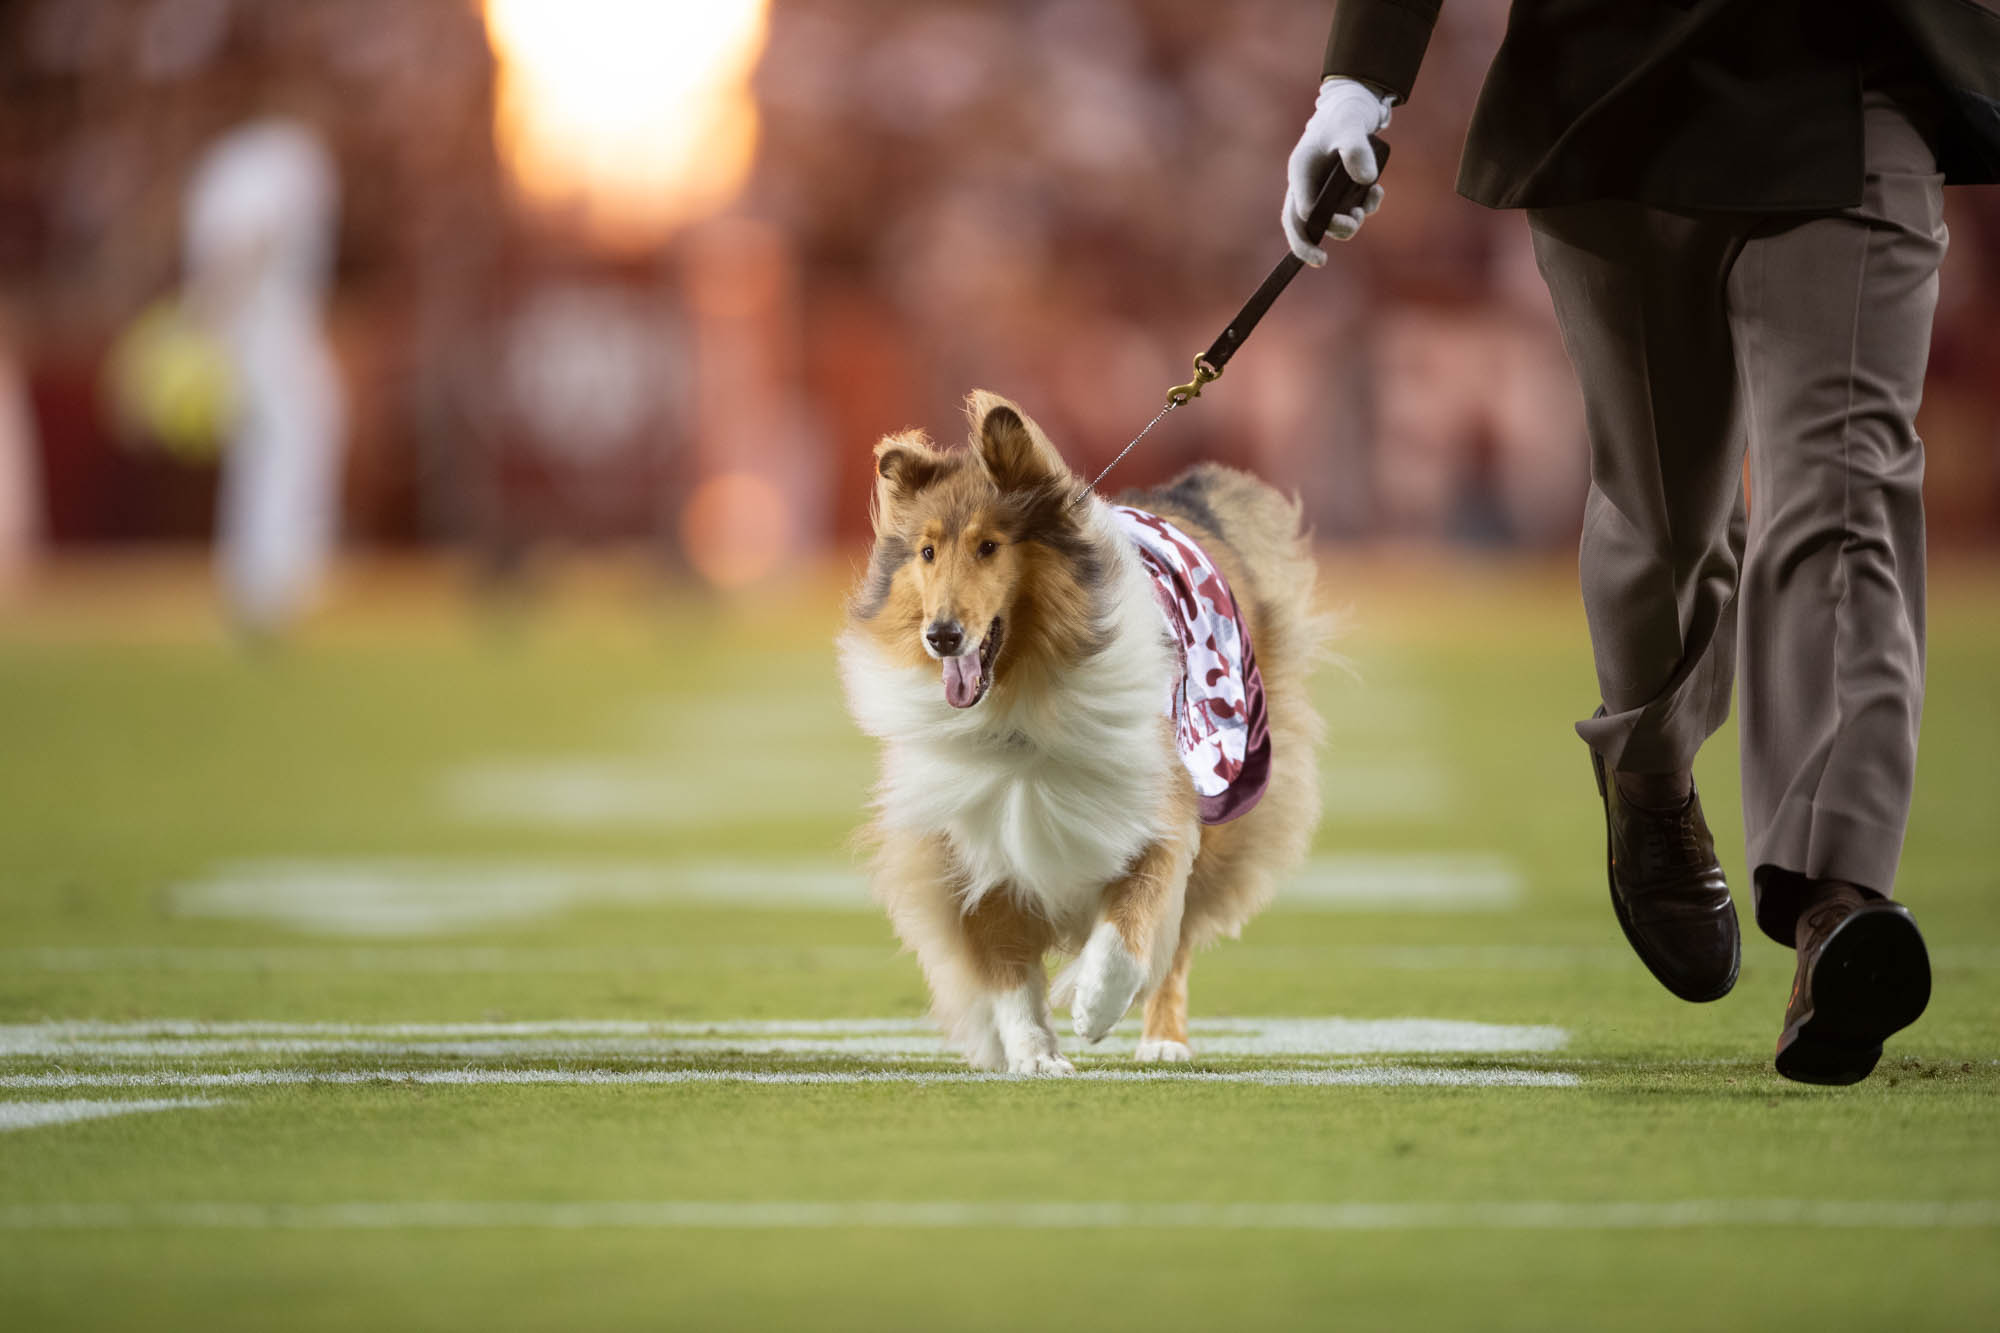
[
  {"x": 1009, "y": 541},
  {"x": 1269, "y": 565}
]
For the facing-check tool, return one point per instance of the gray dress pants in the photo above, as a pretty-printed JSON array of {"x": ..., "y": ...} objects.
[{"x": 1802, "y": 337}]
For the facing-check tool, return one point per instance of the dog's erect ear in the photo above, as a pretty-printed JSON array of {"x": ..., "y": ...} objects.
[
  {"x": 1012, "y": 448},
  {"x": 904, "y": 465}
]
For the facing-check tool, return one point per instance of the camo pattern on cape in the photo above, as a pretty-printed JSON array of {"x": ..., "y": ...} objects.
[{"x": 1217, "y": 700}]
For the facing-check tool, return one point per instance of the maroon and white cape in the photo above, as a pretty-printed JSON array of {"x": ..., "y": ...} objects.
[{"x": 1217, "y": 700}]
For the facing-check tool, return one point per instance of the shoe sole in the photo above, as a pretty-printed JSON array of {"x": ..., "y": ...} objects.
[
  {"x": 1618, "y": 909},
  {"x": 1872, "y": 979}
]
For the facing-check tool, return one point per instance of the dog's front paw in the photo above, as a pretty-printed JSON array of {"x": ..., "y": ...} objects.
[
  {"x": 1108, "y": 979},
  {"x": 1156, "y": 1051},
  {"x": 1021, "y": 1017}
]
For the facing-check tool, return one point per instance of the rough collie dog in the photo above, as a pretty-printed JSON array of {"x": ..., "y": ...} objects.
[{"x": 1066, "y": 764}]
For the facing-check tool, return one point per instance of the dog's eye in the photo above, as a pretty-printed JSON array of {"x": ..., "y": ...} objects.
[
  {"x": 988, "y": 548},
  {"x": 929, "y": 553}
]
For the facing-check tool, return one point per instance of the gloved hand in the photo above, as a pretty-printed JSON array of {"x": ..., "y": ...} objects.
[{"x": 1346, "y": 114}]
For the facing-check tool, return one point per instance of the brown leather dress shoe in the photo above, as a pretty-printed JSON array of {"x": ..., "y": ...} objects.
[
  {"x": 1863, "y": 974},
  {"x": 1668, "y": 890}
]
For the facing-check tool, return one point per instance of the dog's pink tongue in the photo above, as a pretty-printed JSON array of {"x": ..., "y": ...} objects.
[{"x": 962, "y": 675}]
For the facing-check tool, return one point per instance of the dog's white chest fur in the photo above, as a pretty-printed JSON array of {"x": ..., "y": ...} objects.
[{"x": 1055, "y": 795}]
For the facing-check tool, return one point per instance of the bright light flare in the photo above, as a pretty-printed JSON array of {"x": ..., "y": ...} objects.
[{"x": 635, "y": 113}]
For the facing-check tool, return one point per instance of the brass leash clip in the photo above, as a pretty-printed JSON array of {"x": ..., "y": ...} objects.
[
  {"x": 1338, "y": 195},
  {"x": 1203, "y": 374}
]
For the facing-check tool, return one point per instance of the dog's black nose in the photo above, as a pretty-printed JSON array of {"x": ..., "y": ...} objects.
[{"x": 945, "y": 638}]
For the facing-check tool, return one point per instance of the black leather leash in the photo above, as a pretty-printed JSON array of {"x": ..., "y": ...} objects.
[{"x": 1340, "y": 194}]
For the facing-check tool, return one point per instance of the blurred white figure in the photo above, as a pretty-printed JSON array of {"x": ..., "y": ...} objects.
[
  {"x": 262, "y": 210},
  {"x": 20, "y": 490}
]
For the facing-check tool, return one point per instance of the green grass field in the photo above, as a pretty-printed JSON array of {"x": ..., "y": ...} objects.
[{"x": 507, "y": 969}]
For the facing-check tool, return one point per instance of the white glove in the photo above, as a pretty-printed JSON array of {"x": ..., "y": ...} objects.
[{"x": 1346, "y": 114}]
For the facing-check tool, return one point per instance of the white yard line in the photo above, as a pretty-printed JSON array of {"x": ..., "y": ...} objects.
[
  {"x": 733, "y": 755},
  {"x": 1079, "y": 1215},
  {"x": 181, "y": 1040},
  {"x": 583, "y": 1048},
  {"x": 414, "y": 899},
  {"x": 718, "y": 784},
  {"x": 392, "y": 899},
  {"x": 530, "y": 960},
  {"x": 1342, "y": 1076},
  {"x": 607, "y": 1027},
  {"x": 783, "y": 714},
  {"x": 1417, "y": 882},
  {"x": 426, "y": 959},
  {"x": 1448, "y": 957},
  {"x": 1408, "y": 790},
  {"x": 35, "y": 1115}
]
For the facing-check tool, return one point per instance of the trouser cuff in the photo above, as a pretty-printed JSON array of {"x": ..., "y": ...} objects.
[
  {"x": 1660, "y": 738},
  {"x": 1806, "y": 843}
]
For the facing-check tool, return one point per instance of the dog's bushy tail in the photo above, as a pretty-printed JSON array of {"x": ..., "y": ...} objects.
[
  {"x": 1277, "y": 579},
  {"x": 1266, "y": 528}
]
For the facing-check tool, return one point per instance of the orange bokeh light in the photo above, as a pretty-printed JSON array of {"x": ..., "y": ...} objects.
[
  {"x": 634, "y": 115},
  {"x": 736, "y": 529}
]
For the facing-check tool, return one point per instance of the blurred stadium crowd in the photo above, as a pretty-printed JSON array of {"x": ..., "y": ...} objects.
[{"x": 661, "y": 270}]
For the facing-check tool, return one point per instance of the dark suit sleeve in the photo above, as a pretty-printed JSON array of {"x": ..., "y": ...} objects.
[{"x": 1380, "y": 41}]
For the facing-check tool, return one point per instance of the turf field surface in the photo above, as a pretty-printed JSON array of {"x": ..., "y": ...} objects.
[{"x": 505, "y": 967}]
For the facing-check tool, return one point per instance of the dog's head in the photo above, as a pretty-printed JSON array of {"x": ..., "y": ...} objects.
[{"x": 981, "y": 562}]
